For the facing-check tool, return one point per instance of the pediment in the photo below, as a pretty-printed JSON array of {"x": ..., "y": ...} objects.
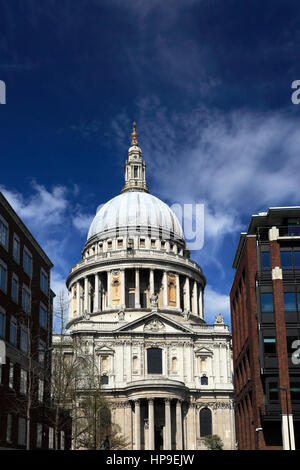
[
  {"x": 203, "y": 352},
  {"x": 103, "y": 349},
  {"x": 155, "y": 323}
]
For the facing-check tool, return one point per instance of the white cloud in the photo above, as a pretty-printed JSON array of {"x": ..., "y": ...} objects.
[
  {"x": 215, "y": 303},
  {"x": 82, "y": 222}
]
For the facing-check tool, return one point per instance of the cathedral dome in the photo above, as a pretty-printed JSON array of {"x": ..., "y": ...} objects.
[{"x": 133, "y": 209}]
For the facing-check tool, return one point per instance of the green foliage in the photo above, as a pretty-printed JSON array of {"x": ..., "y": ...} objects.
[{"x": 213, "y": 442}]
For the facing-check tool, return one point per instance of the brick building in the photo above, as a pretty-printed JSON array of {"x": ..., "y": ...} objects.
[
  {"x": 26, "y": 336},
  {"x": 265, "y": 314}
]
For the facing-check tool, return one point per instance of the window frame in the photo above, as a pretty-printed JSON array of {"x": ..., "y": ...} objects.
[
  {"x": 3, "y": 313},
  {"x": 4, "y": 266},
  {"x": 44, "y": 274},
  {"x": 17, "y": 239},
  {"x": 15, "y": 278},
  {"x": 6, "y": 225},
  {"x": 29, "y": 254},
  {"x": 26, "y": 289},
  {"x": 13, "y": 322}
]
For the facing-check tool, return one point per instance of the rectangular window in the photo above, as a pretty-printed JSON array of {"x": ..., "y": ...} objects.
[
  {"x": 15, "y": 288},
  {"x": 23, "y": 381},
  {"x": 9, "y": 428},
  {"x": 142, "y": 242},
  {"x": 267, "y": 302},
  {"x": 297, "y": 259},
  {"x": 154, "y": 360},
  {"x": 26, "y": 299},
  {"x": 43, "y": 316},
  {"x": 120, "y": 243},
  {"x": 42, "y": 348},
  {"x": 51, "y": 438},
  {"x": 295, "y": 391},
  {"x": 24, "y": 339},
  {"x": 3, "y": 233},
  {"x": 11, "y": 375},
  {"x": 16, "y": 248},
  {"x": 109, "y": 245},
  {"x": 153, "y": 243},
  {"x": 44, "y": 281},
  {"x": 273, "y": 391},
  {"x": 39, "y": 430},
  {"x": 286, "y": 259},
  {"x": 62, "y": 440},
  {"x": 13, "y": 331},
  {"x": 22, "y": 431},
  {"x": 3, "y": 276},
  {"x": 289, "y": 301},
  {"x": 41, "y": 391},
  {"x": 27, "y": 261},
  {"x": 2, "y": 323},
  {"x": 265, "y": 260},
  {"x": 269, "y": 345},
  {"x": 135, "y": 172}
]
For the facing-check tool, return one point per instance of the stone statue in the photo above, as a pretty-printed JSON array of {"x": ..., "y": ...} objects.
[
  {"x": 219, "y": 318},
  {"x": 154, "y": 301}
]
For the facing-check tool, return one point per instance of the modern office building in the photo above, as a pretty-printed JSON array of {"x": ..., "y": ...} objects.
[
  {"x": 265, "y": 316},
  {"x": 136, "y": 301},
  {"x": 25, "y": 337}
]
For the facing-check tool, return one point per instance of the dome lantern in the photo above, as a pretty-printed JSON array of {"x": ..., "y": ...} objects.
[{"x": 135, "y": 168}]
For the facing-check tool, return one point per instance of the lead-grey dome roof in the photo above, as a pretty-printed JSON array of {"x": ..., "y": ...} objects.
[{"x": 132, "y": 209}]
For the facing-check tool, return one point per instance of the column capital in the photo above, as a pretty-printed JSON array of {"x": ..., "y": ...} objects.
[{"x": 151, "y": 401}]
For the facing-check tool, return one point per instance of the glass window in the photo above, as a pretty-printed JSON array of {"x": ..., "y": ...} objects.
[
  {"x": 3, "y": 276},
  {"x": 51, "y": 438},
  {"x": 13, "y": 331},
  {"x": 9, "y": 428},
  {"x": 24, "y": 339},
  {"x": 22, "y": 432},
  {"x": 269, "y": 345},
  {"x": 265, "y": 260},
  {"x": 297, "y": 259},
  {"x": 3, "y": 233},
  {"x": 39, "y": 435},
  {"x": 44, "y": 281},
  {"x": 135, "y": 172},
  {"x": 204, "y": 380},
  {"x": 104, "y": 380},
  {"x": 42, "y": 352},
  {"x": 267, "y": 302},
  {"x": 273, "y": 391},
  {"x": 154, "y": 360},
  {"x": 15, "y": 288},
  {"x": 26, "y": 299},
  {"x": 11, "y": 375},
  {"x": 2, "y": 324},
  {"x": 286, "y": 259},
  {"x": 23, "y": 381},
  {"x": 41, "y": 391},
  {"x": 27, "y": 262},
  {"x": 16, "y": 248},
  {"x": 295, "y": 391},
  {"x": 205, "y": 422},
  {"x": 43, "y": 316},
  {"x": 290, "y": 301}
]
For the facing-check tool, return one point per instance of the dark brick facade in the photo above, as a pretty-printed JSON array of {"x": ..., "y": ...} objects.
[
  {"x": 33, "y": 333},
  {"x": 260, "y": 333}
]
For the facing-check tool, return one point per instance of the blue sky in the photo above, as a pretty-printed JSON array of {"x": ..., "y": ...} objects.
[{"x": 209, "y": 85}]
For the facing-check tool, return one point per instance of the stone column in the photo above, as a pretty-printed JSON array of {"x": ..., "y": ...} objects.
[
  {"x": 96, "y": 298},
  {"x": 151, "y": 281},
  {"x": 86, "y": 294},
  {"x": 137, "y": 288},
  {"x": 165, "y": 289},
  {"x": 179, "y": 445},
  {"x": 123, "y": 288},
  {"x": 108, "y": 289},
  {"x": 70, "y": 303},
  {"x": 200, "y": 302},
  {"x": 167, "y": 443},
  {"x": 195, "y": 299},
  {"x": 128, "y": 424},
  {"x": 137, "y": 418},
  {"x": 151, "y": 423},
  {"x": 78, "y": 298},
  {"x": 177, "y": 291},
  {"x": 187, "y": 302}
]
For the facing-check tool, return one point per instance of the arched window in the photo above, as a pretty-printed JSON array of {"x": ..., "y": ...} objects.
[
  {"x": 174, "y": 363},
  {"x": 205, "y": 422},
  {"x": 154, "y": 360},
  {"x": 204, "y": 380}
]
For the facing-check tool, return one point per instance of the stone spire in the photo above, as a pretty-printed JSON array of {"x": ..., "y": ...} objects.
[{"x": 135, "y": 168}]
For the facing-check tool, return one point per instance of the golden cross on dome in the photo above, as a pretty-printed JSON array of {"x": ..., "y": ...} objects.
[{"x": 134, "y": 135}]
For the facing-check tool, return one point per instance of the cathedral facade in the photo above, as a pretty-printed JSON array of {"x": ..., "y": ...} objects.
[{"x": 136, "y": 300}]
